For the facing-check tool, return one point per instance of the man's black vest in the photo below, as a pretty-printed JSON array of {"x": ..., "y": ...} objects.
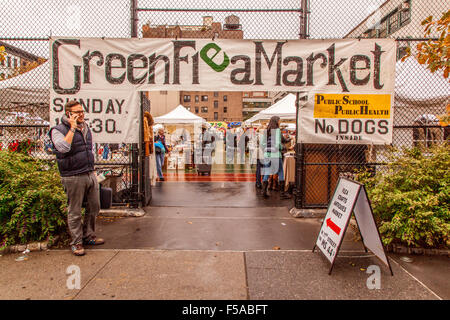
[{"x": 80, "y": 158}]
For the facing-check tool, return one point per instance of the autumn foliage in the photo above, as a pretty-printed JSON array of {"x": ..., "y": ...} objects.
[{"x": 435, "y": 53}]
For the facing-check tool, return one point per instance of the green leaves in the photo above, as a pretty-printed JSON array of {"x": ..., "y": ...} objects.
[
  {"x": 411, "y": 196},
  {"x": 32, "y": 201}
]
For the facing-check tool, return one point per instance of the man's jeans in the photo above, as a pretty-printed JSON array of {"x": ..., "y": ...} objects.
[
  {"x": 76, "y": 188},
  {"x": 159, "y": 164}
]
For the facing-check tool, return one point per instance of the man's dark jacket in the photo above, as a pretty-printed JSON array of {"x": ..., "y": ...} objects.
[{"x": 80, "y": 158}]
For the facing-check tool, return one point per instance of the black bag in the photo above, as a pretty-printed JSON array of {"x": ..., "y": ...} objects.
[
  {"x": 157, "y": 150},
  {"x": 105, "y": 197}
]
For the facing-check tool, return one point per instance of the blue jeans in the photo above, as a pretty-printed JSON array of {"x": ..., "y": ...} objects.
[
  {"x": 272, "y": 166},
  {"x": 159, "y": 164}
]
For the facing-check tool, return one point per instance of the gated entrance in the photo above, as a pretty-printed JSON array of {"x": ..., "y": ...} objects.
[{"x": 420, "y": 96}]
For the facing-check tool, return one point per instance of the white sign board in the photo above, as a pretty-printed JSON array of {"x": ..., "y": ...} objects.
[
  {"x": 347, "y": 118},
  {"x": 112, "y": 69},
  {"x": 349, "y": 196},
  {"x": 337, "y": 217},
  {"x": 366, "y": 225},
  {"x": 335, "y": 65},
  {"x": 113, "y": 117}
]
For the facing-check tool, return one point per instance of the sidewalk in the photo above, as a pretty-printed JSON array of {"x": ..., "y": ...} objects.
[
  {"x": 203, "y": 274},
  {"x": 218, "y": 241}
]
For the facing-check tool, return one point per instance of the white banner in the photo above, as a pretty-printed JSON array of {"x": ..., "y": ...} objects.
[
  {"x": 346, "y": 119},
  {"x": 112, "y": 116},
  {"x": 344, "y": 65},
  {"x": 115, "y": 68}
]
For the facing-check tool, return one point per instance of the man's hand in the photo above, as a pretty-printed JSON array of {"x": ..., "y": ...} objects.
[{"x": 73, "y": 120}]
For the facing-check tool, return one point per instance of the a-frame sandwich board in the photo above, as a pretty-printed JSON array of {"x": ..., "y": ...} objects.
[{"x": 349, "y": 197}]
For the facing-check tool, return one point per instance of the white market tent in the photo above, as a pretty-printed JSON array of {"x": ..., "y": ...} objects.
[
  {"x": 179, "y": 115},
  {"x": 418, "y": 91},
  {"x": 285, "y": 109},
  {"x": 31, "y": 87}
]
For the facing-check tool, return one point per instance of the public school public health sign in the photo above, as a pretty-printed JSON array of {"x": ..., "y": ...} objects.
[{"x": 105, "y": 75}]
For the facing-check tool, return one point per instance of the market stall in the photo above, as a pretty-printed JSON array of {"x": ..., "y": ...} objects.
[{"x": 180, "y": 126}]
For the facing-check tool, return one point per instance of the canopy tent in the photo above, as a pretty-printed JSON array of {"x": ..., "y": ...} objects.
[
  {"x": 285, "y": 109},
  {"x": 418, "y": 92},
  {"x": 31, "y": 87},
  {"x": 179, "y": 115}
]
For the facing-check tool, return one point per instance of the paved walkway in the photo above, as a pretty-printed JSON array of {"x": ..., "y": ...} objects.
[
  {"x": 217, "y": 241},
  {"x": 205, "y": 274}
]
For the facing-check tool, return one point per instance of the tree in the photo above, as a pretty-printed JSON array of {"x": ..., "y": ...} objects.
[
  {"x": 2, "y": 53},
  {"x": 435, "y": 53}
]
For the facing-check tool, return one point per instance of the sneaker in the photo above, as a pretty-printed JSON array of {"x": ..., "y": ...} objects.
[
  {"x": 78, "y": 250},
  {"x": 94, "y": 241}
]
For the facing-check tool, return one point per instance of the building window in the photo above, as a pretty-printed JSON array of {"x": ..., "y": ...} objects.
[
  {"x": 187, "y": 98},
  {"x": 15, "y": 62},
  {"x": 393, "y": 23},
  {"x": 196, "y": 109},
  {"x": 204, "y": 109},
  {"x": 405, "y": 12},
  {"x": 163, "y": 93},
  {"x": 216, "y": 116},
  {"x": 382, "y": 33},
  {"x": 216, "y": 104},
  {"x": 196, "y": 98},
  {"x": 9, "y": 62},
  {"x": 225, "y": 98},
  {"x": 216, "y": 94},
  {"x": 225, "y": 109},
  {"x": 204, "y": 98},
  {"x": 188, "y": 108},
  {"x": 245, "y": 94}
]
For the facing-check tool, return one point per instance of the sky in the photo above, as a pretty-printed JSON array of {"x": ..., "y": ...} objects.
[{"x": 111, "y": 18}]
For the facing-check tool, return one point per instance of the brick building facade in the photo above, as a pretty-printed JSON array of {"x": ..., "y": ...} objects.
[{"x": 212, "y": 106}]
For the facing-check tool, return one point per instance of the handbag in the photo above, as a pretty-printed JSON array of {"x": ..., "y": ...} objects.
[{"x": 159, "y": 148}]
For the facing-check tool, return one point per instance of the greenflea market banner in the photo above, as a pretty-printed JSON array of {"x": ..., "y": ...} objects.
[{"x": 101, "y": 68}]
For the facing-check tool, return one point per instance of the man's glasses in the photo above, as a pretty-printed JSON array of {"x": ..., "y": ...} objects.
[{"x": 77, "y": 112}]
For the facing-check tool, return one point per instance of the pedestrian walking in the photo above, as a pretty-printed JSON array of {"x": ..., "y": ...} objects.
[{"x": 72, "y": 140}]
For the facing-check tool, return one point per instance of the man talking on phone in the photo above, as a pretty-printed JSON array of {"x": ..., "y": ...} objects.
[{"x": 72, "y": 139}]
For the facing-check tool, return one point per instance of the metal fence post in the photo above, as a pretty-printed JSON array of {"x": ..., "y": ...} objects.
[{"x": 133, "y": 18}]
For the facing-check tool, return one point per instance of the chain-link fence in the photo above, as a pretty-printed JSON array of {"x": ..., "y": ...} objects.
[
  {"x": 26, "y": 27},
  {"x": 421, "y": 98}
]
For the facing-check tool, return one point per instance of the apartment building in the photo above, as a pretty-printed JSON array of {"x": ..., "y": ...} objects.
[
  {"x": 212, "y": 106},
  {"x": 399, "y": 19}
]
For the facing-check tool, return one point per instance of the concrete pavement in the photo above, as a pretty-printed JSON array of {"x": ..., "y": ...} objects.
[
  {"x": 207, "y": 275},
  {"x": 203, "y": 244}
]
